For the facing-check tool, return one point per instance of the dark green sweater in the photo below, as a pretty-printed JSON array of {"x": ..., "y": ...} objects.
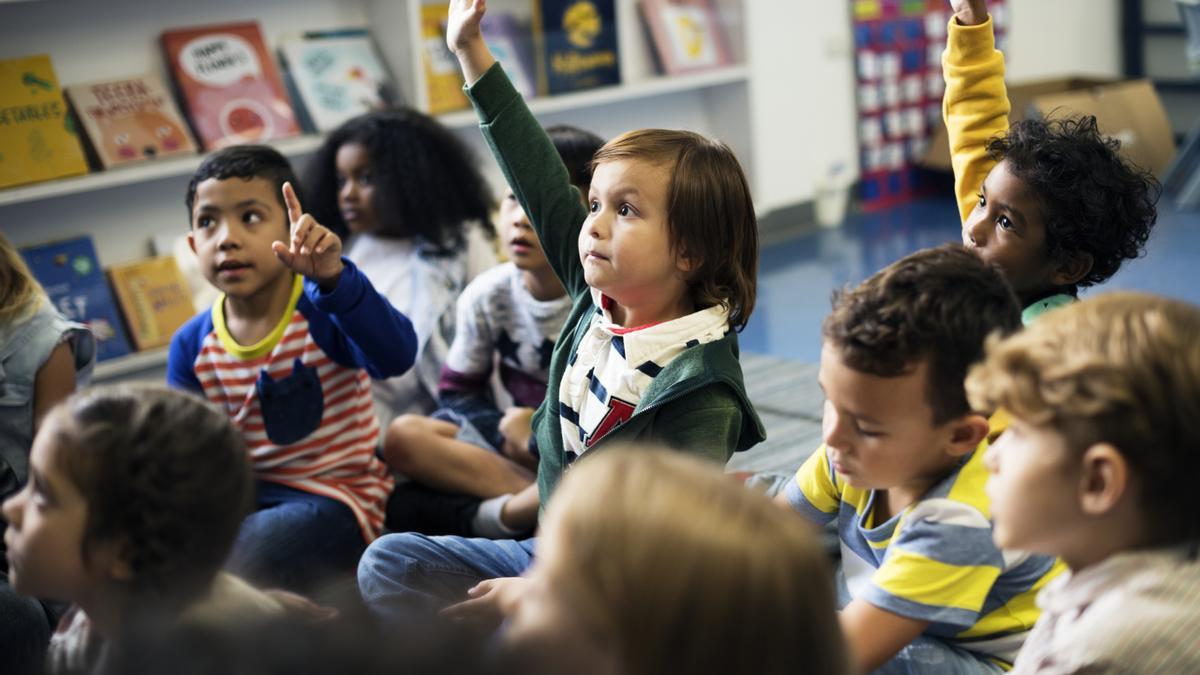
[{"x": 698, "y": 402}]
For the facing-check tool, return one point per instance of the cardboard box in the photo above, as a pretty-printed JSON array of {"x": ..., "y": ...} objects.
[{"x": 1129, "y": 111}]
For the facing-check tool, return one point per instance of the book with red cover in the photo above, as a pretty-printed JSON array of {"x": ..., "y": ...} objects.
[{"x": 229, "y": 84}]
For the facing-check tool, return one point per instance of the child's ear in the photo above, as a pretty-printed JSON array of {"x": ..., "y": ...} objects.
[
  {"x": 192, "y": 241},
  {"x": 110, "y": 560},
  {"x": 1072, "y": 270},
  {"x": 966, "y": 433},
  {"x": 1104, "y": 479}
]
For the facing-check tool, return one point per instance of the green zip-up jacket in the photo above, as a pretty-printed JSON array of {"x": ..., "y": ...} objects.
[{"x": 698, "y": 402}]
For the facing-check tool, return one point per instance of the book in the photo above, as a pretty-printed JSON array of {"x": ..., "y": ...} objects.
[
  {"x": 204, "y": 294},
  {"x": 155, "y": 299},
  {"x": 38, "y": 138},
  {"x": 229, "y": 84},
  {"x": 578, "y": 45},
  {"x": 443, "y": 79},
  {"x": 686, "y": 35},
  {"x": 511, "y": 43},
  {"x": 70, "y": 272},
  {"x": 129, "y": 120},
  {"x": 336, "y": 75}
]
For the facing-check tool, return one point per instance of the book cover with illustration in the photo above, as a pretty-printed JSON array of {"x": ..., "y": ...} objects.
[
  {"x": 154, "y": 298},
  {"x": 130, "y": 120},
  {"x": 229, "y": 84},
  {"x": 38, "y": 138},
  {"x": 511, "y": 42},
  {"x": 578, "y": 45},
  {"x": 686, "y": 35},
  {"x": 443, "y": 79},
  {"x": 70, "y": 272},
  {"x": 336, "y": 75}
]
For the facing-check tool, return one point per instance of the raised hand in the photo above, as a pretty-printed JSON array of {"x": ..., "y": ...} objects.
[
  {"x": 465, "y": 39},
  {"x": 314, "y": 250},
  {"x": 970, "y": 12}
]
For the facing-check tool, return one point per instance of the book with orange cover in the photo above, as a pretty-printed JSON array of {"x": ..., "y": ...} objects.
[
  {"x": 129, "y": 120},
  {"x": 38, "y": 139},
  {"x": 154, "y": 298},
  {"x": 229, "y": 84}
]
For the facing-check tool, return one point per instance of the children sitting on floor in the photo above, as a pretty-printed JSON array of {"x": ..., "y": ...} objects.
[
  {"x": 924, "y": 589},
  {"x": 1099, "y": 466}
]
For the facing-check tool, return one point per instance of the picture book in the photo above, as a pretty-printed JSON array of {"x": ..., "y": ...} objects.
[
  {"x": 443, "y": 79},
  {"x": 686, "y": 35},
  {"x": 511, "y": 42},
  {"x": 130, "y": 120},
  {"x": 154, "y": 298},
  {"x": 38, "y": 139},
  {"x": 229, "y": 84},
  {"x": 71, "y": 275},
  {"x": 578, "y": 45},
  {"x": 336, "y": 75}
]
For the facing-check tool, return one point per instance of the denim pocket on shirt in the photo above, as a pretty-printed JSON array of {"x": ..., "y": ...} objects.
[{"x": 292, "y": 406}]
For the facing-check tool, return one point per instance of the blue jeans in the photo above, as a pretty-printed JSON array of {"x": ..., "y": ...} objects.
[
  {"x": 401, "y": 575},
  {"x": 930, "y": 656},
  {"x": 295, "y": 540}
]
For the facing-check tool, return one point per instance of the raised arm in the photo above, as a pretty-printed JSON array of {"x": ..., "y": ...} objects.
[
  {"x": 975, "y": 105},
  {"x": 524, "y": 152}
]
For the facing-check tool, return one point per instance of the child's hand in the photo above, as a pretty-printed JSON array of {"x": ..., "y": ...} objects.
[
  {"x": 517, "y": 426},
  {"x": 970, "y": 12},
  {"x": 465, "y": 39},
  {"x": 489, "y": 602},
  {"x": 462, "y": 25},
  {"x": 315, "y": 251}
]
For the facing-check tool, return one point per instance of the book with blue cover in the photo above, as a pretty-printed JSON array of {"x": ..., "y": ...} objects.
[
  {"x": 70, "y": 272},
  {"x": 578, "y": 45},
  {"x": 336, "y": 75}
]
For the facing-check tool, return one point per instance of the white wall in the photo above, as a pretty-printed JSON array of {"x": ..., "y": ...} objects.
[{"x": 1050, "y": 38}]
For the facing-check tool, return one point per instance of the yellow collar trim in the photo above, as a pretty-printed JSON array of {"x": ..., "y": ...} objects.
[{"x": 264, "y": 345}]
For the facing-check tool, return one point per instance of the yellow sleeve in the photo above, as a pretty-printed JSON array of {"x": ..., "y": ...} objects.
[
  {"x": 975, "y": 106},
  {"x": 814, "y": 492}
]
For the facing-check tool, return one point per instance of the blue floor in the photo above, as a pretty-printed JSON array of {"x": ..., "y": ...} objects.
[{"x": 797, "y": 277}]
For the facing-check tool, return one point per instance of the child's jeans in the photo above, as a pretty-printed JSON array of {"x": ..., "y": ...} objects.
[
  {"x": 296, "y": 540},
  {"x": 930, "y": 656},
  {"x": 405, "y": 574}
]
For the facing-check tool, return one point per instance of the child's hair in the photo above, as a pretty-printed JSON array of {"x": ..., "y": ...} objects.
[
  {"x": 1094, "y": 202},
  {"x": 684, "y": 571},
  {"x": 428, "y": 184},
  {"x": 1122, "y": 369},
  {"x": 246, "y": 162},
  {"x": 20, "y": 293},
  {"x": 163, "y": 474},
  {"x": 938, "y": 304},
  {"x": 710, "y": 214},
  {"x": 577, "y": 147}
]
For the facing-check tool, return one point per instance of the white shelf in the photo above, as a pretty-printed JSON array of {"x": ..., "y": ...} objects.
[
  {"x": 129, "y": 364},
  {"x": 182, "y": 166}
]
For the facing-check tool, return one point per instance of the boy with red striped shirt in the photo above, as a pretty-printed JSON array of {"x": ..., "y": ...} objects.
[{"x": 288, "y": 352}]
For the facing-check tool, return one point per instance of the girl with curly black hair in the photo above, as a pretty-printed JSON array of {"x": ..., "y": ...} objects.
[
  {"x": 416, "y": 210},
  {"x": 1051, "y": 202}
]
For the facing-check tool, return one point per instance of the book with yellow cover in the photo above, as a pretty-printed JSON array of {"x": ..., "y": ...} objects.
[
  {"x": 155, "y": 299},
  {"x": 443, "y": 79},
  {"x": 38, "y": 139}
]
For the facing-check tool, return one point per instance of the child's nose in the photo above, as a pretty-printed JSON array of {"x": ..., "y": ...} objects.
[
  {"x": 12, "y": 509},
  {"x": 832, "y": 432},
  {"x": 349, "y": 190},
  {"x": 228, "y": 237},
  {"x": 975, "y": 233}
]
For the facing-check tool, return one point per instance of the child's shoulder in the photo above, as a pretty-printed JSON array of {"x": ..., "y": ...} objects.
[{"x": 497, "y": 279}]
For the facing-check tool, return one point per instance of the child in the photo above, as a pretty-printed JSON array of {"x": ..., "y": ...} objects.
[
  {"x": 513, "y": 314},
  {"x": 661, "y": 268},
  {"x": 134, "y": 497},
  {"x": 42, "y": 358},
  {"x": 654, "y": 562},
  {"x": 902, "y": 473},
  {"x": 1099, "y": 466},
  {"x": 416, "y": 211},
  {"x": 1051, "y": 202},
  {"x": 289, "y": 358}
]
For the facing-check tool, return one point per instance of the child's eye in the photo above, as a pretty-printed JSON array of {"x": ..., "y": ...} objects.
[
  {"x": 365, "y": 179},
  {"x": 868, "y": 434},
  {"x": 594, "y": 206},
  {"x": 1004, "y": 223},
  {"x": 982, "y": 199},
  {"x": 251, "y": 217},
  {"x": 204, "y": 222},
  {"x": 625, "y": 211}
]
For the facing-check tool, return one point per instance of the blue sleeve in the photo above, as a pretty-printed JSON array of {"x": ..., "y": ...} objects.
[
  {"x": 357, "y": 327},
  {"x": 185, "y": 347}
]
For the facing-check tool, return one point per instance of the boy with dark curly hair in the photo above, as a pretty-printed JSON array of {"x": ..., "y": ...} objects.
[{"x": 1051, "y": 202}]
